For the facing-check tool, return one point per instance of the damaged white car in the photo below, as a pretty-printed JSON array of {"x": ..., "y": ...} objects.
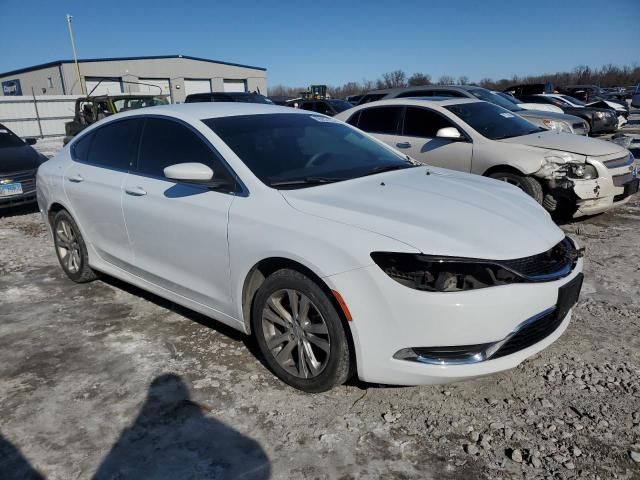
[{"x": 568, "y": 174}]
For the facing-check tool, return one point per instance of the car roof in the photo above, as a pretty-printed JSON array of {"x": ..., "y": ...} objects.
[
  {"x": 425, "y": 101},
  {"x": 205, "y": 110},
  {"x": 397, "y": 90}
]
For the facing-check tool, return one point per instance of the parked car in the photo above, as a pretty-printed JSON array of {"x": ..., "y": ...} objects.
[
  {"x": 621, "y": 111},
  {"x": 568, "y": 174},
  {"x": 540, "y": 107},
  {"x": 353, "y": 99},
  {"x": 18, "y": 165},
  {"x": 550, "y": 120},
  {"x": 244, "y": 97},
  {"x": 635, "y": 98},
  {"x": 326, "y": 107},
  {"x": 600, "y": 120},
  {"x": 303, "y": 231},
  {"x": 90, "y": 109},
  {"x": 590, "y": 93}
]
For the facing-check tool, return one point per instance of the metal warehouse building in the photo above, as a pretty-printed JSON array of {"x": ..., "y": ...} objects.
[{"x": 173, "y": 75}]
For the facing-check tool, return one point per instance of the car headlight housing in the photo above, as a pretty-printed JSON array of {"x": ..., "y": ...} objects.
[
  {"x": 557, "y": 164},
  {"x": 557, "y": 126},
  {"x": 432, "y": 273},
  {"x": 600, "y": 115},
  {"x": 442, "y": 274},
  {"x": 582, "y": 171}
]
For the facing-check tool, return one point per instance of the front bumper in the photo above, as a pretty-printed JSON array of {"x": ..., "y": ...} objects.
[
  {"x": 17, "y": 200},
  {"x": 613, "y": 187},
  {"x": 389, "y": 317}
]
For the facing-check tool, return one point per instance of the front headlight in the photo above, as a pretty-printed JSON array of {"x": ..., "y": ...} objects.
[
  {"x": 432, "y": 273},
  {"x": 600, "y": 115},
  {"x": 557, "y": 126},
  {"x": 582, "y": 171},
  {"x": 442, "y": 274}
]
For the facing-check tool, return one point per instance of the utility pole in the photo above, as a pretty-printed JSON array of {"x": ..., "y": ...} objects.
[{"x": 75, "y": 56}]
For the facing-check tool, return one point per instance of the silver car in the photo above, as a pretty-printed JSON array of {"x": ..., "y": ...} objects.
[{"x": 559, "y": 122}]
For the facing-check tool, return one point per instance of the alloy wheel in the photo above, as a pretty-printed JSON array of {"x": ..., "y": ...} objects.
[
  {"x": 68, "y": 247},
  {"x": 295, "y": 333}
]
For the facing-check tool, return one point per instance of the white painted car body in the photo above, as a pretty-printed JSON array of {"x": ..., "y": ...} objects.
[
  {"x": 198, "y": 250},
  {"x": 620, "y": 110},
  {"x": 540, "y": 107},
  {"x": 541, "y": 155}
]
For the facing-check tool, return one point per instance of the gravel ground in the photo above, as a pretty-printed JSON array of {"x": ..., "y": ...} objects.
[{"x": 105, "y": 381}]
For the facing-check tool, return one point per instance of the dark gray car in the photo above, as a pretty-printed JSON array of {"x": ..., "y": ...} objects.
[{"x": 549, "y": 120}]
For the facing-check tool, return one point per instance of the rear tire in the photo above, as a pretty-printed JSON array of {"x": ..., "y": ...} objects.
[
  {"x": 528, "y": 185},
  {"x": 71, "y": 249},
  {"x": 300, "y": 333}
]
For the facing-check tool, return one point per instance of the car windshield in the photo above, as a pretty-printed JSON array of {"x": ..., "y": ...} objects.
[
  {"x": 9, "y": 139},
  {"x": 252, "y": 98},
  {"x": 492, "y": 121},
  {"x": 291, "y": 150},
  {"x": 495, "y": 98},
  {"x": 575, "y": 101},
  {"x": 340, "y": 105},
  {"x": 132, "y": 103}
]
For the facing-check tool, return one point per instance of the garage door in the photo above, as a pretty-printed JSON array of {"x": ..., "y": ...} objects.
[
  {"x": 235, "y": 85},
  {"x": 197, "y": 86},
  {"x": 155, "y": 86},
  {"x": 103, "y": 86}
]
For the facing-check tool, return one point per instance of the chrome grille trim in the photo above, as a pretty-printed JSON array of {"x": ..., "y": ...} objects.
[{"x": 619, "y": 162}]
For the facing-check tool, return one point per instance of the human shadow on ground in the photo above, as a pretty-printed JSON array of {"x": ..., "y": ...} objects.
[
  {"x": 13, "y": 465},
  {"x": 171, "y": 438}
]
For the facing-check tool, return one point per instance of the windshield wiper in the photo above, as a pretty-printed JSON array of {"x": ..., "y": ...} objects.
[
  {"x": 306, "y": 181},
  {"x": 388, "y": 168}
]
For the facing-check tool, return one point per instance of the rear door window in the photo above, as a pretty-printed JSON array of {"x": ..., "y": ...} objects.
[
  {"x": 384, "y": 120},
  {"x": 114, "y": 145},
  {"x": 421, "y": 122}
]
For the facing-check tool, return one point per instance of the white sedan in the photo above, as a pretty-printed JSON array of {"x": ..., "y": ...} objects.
[
  {"x": 570, "y": 175},
  {"x": 337, "y": 253}
]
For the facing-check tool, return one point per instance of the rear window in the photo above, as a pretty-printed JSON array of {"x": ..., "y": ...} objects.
[
  {"x": 385, "y": 120},
  {"x": 371, "y": 97},
  {"x": 9, "y": 139},
  {"x": 114, "y": 145}
]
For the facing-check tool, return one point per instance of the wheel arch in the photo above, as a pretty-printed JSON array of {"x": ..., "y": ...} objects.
[
  {"x": 265, "y": 267},
  {"x": 54, "y": 208},
  {"x": 503, "y": 168}
]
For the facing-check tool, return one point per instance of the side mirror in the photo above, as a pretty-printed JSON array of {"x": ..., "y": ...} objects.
[
  {"x": 451, "y": 133},
  {"x": 30, "y": 141},
  {"x": 190, "y": 172}
]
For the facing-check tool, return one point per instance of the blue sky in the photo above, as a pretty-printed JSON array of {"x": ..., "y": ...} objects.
[{"x": 333, "y": 42}]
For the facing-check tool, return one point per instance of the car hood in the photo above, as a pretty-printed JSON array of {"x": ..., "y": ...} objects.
[
  {"x": 443, "y": 213},
  {"x": 552, "y": 115},
  {"x": 567, "y": 142},
  {"x": 16, "y": 159}
]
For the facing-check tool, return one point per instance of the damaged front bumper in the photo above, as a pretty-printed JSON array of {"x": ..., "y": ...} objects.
[{"x": 616, "y": 180}]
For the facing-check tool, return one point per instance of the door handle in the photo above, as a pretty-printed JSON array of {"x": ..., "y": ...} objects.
[
  {"x": 135, "y": 191},
  {"x": 77, "y": 178},
  {"x": 403, "y": 145}
]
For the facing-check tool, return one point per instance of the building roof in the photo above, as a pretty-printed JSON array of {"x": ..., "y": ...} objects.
[{"x": 115, "y": 59}]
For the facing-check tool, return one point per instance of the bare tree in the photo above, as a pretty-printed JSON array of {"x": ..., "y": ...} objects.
[
  {"x": 394, "y": 79},
  {"x": 463, "y": 80},
  {"x": 418, "y": 79},
  {"x": 446, "y": 80}
]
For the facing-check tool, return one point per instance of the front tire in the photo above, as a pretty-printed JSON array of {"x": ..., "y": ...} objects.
[
  {"x": 528, "y": 185},
  {"x": 71, "y": 249},
  {"x": 300, "y": 333}
]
